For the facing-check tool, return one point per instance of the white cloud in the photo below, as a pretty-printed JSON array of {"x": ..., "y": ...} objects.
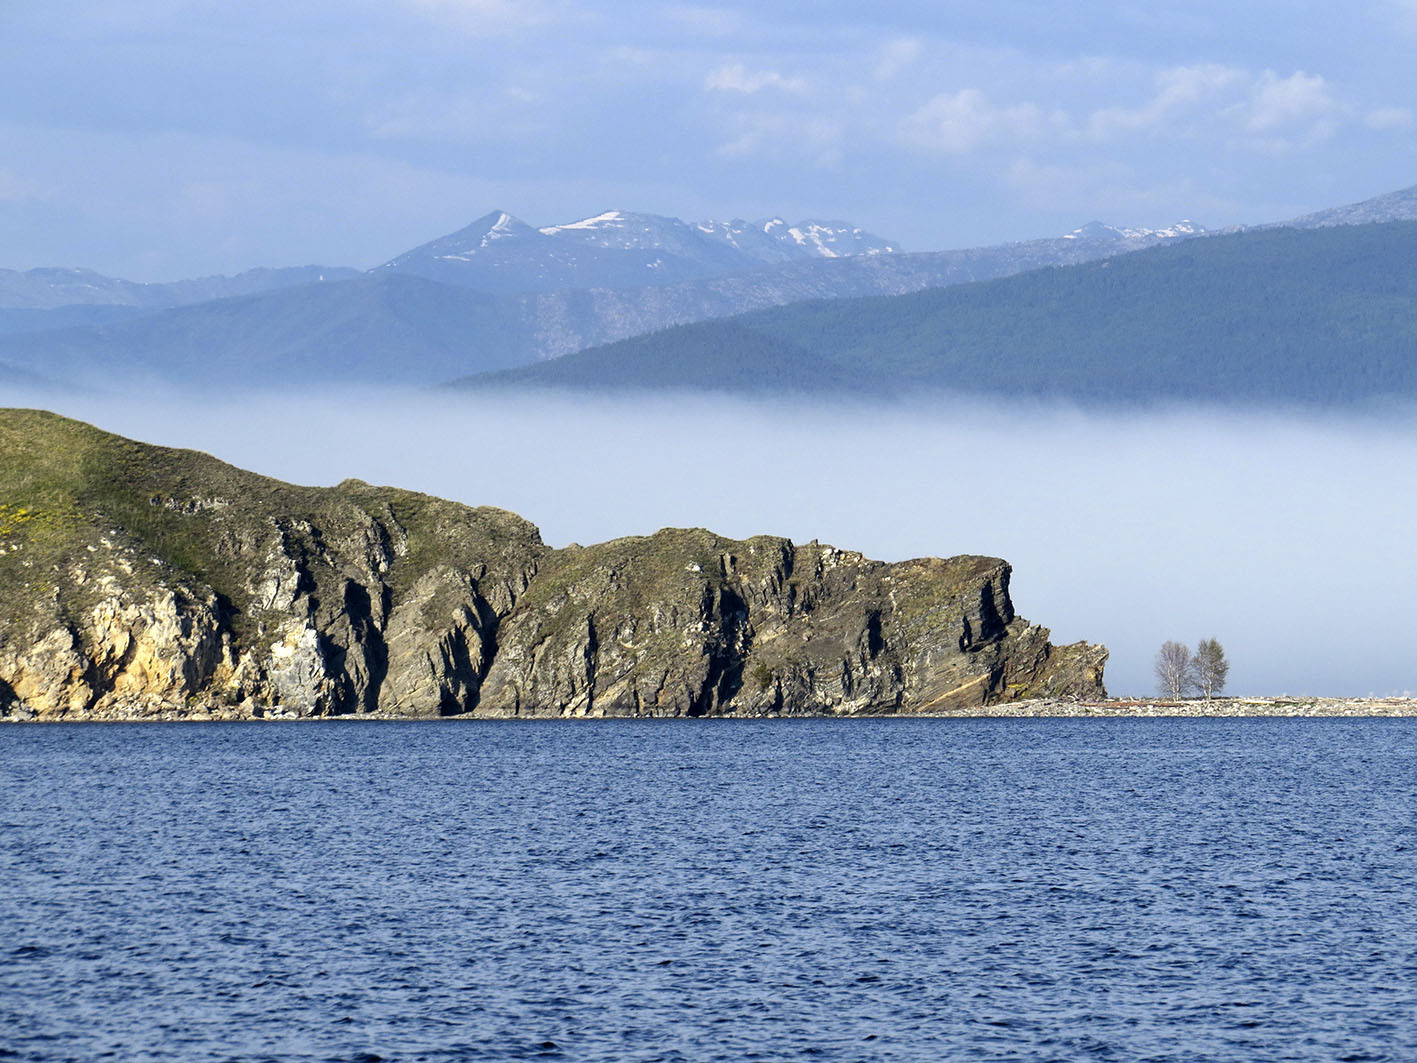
[
  {"x": 1198, "y": 102},
  {"x": 876, "y": 104},
  {"x": 766, "y": 114},
  {"x": 1300, "y": 104},
  {"x": 786, "y": 137},
  {"x": 1389, "y": 118},
  {"x": 896, "y": 56},
  {"x": 960, "y": 123},
  {"x": 640, "y": 60},
  {"x": 1218, "y": 106},
  {"x": 1180, "y": 91},
  {"x": 735, "y": 77}
]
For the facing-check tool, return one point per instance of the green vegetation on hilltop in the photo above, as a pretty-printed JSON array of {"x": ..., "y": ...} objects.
[
  {"x": 65, "y": 487},
  {"x": 1315, "y": 317}
]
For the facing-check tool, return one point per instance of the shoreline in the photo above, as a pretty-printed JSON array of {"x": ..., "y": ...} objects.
[
  {"x": 1035, "y": 708},
  {"x": 1225, "y": 707}
]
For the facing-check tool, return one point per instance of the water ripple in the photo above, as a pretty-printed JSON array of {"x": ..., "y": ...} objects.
[{"x": 1155, "y": 890}]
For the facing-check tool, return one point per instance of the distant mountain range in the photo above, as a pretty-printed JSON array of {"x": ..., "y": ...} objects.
[
  {"x": 391, "y": 330},
  {"x": 499, "y": 253},
  {"x": 490, "y": 296},
  {"x": 498, "y": 294},
  {"x": 1394, "y": 206},
  {"x": 1324, "y": 316},
  {"x": 51, "y": 288}
]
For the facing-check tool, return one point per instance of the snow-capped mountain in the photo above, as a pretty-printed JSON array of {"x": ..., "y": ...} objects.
[
  {"x": 618, "y": 230},
  {"x": 1097, "y": 231},
  {"x": 500, "y": 292},
  {"x": 478, "y": 237},
  {"x": 618, "y": 249},
  {"x": 766, "y": 241},
  {"x": 775, "y": 240}
]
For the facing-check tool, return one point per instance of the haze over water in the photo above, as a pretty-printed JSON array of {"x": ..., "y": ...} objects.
[
  {"x": 710, "y": 890},
  {"x": 1285, "y": 536}
]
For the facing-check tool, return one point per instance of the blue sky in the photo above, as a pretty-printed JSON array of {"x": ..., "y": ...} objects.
[{"x": 157, "y": 139}]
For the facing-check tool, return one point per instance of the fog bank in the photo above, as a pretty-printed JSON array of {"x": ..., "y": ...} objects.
[{"x": 1287, "y": 538}]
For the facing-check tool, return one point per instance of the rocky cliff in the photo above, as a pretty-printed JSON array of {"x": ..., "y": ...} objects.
[{"x": 140, "y": 581}]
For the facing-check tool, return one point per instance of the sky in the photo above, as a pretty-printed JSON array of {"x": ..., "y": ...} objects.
[
  {"x": 1288, "y": 540},
  {"x": 162, "y": 139}
]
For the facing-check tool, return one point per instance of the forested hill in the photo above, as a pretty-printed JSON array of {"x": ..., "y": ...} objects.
[{"x": 1323, "y": 317}]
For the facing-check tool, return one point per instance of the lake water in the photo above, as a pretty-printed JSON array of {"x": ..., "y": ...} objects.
[{"x": 1138, "y": 890}]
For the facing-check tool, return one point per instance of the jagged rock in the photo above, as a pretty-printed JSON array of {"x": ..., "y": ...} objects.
[
  {"x": 296, "y": 670},
  {"x": 49, "y": 675},
  {"x": 684, "y": 623},
  {"x": 126, "y": 594},
  {"x": 443, "y": 634},
  {"x": 166, "y": 647}
]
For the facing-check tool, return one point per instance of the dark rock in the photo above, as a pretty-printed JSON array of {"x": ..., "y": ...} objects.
[{"x": 126, "y": 594}]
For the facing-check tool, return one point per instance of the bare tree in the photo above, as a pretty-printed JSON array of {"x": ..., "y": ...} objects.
[
  {"x": 1174, "y": 674},
  {"x": 1210, "y": 667}
]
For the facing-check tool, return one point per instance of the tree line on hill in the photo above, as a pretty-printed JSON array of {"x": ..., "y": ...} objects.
[{"x": 1318, "y": 317}]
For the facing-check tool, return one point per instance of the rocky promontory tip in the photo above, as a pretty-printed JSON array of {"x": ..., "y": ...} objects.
[{"x": 146, "y": 582}]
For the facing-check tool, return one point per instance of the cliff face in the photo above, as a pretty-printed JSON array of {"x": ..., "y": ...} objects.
[
  {"x": 685, "y": 623},
  {"x": 139, "y": 581}
]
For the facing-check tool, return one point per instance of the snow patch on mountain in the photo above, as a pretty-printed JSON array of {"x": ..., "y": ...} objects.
[
  {"x": 600, "y": 221},
  {"x": 503, "y": 227},
  {"x": 767, "y": 241},
  {"x": 1097, "y": 230}
]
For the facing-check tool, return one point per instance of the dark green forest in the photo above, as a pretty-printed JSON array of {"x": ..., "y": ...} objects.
[{"x": 1315, "y": 317}]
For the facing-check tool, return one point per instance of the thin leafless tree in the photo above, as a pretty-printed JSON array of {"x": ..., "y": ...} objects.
[
  {"x": 1210, "y": 667},
  {"x": 1174, "y": 674}
]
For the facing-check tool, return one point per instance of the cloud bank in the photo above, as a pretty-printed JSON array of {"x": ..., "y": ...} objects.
[{"x": 1287, "y": 540}]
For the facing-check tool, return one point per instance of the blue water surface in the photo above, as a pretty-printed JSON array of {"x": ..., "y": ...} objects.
[{"x": 1222, "y": 890}]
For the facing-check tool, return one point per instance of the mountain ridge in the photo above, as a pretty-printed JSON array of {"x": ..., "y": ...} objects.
[
  {"x": 1400, "y": 205},
  {"x": 73, "y": 282},
  {"x": 500, "y": 253},
  {"x": 1324, "y": 316},
  {"x": 440, "y": 323},
  {"x": 220, "y": 342},
  {"x": 50, "y": 287}
]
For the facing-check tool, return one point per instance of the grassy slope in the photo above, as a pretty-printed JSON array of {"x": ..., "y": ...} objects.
[{"x": 64, "y": 485}]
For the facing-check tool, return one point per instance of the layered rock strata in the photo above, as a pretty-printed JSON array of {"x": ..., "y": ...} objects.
[{"x": 144, "y": 582}]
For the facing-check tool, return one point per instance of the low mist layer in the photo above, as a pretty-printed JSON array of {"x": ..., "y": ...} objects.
[{"x": 1286, "y": 538}]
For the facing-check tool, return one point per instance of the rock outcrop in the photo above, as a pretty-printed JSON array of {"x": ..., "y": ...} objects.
[{"x": 145, "y": 582}]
